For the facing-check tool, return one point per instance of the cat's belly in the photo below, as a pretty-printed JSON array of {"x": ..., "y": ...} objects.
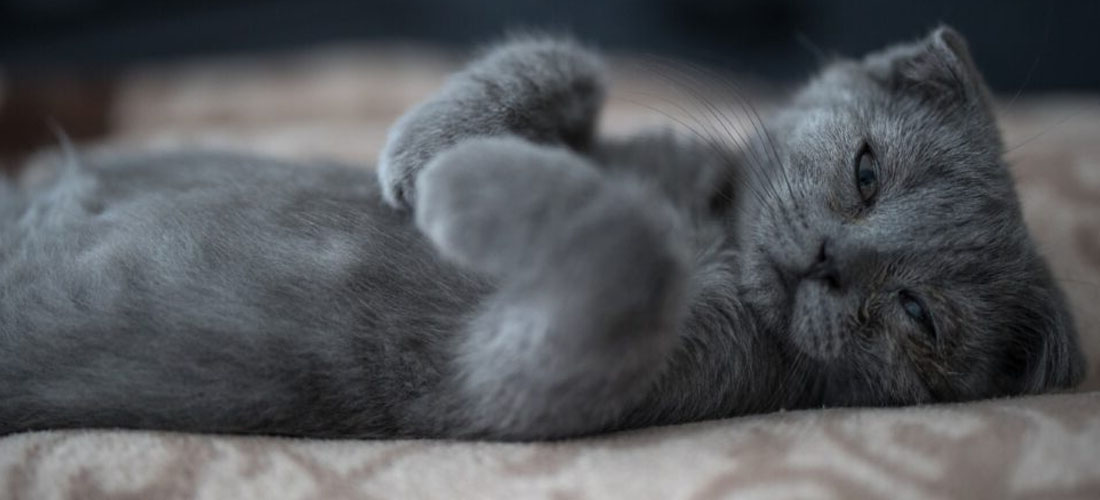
[{"x": 221, "y": 293}]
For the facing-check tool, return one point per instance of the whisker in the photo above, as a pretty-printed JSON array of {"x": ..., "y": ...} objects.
[
  {"x": 1035, "y": 63},
  {"x": 1095, "y": 286},
  {"x": 697, "y": 96},
  {"x": 670, "y": 71},
  {"x": 1057, "y": 124},
  {"x": 761, "y": 130},
  {"x": 708, "y": 141},
  {"x": 1027, "y": 79},
  {"x": 669, "y": 76},
  {"x": 810, "y": 46},
  {"x": 738, "y": 93}
]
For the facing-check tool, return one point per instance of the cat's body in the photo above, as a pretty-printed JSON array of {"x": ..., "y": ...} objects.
[
  {"x": 512, "y": 275},
  {"x": 274, "y": 285},
  {"x": 223, "y": 293}
]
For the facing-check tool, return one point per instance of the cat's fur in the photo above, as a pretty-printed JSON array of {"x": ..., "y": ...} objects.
[{"x": 512, "y": 275}]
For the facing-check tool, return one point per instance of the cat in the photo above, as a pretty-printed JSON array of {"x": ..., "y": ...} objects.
[{"x": 509, "y": 274}]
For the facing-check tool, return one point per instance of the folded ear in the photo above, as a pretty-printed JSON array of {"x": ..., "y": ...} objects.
[
  {"x": 1041, "y": 349},
  {"x": 1045, "y": 360},
  {"x": 937, "y": 68}
]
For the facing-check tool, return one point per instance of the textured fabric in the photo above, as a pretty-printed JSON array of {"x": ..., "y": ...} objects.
[
  {"x": 338, "y": 103},
  {"x": 1043, "y": 447}
]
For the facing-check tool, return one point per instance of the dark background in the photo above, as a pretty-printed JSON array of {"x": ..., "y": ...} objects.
[
  {"x": 1030, "y": 44},
  {"x": 60, "y": 59}
]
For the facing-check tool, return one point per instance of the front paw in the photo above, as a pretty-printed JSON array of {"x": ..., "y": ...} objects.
[
  {"x": 400, "y": 162},
  {"x": 544, "y": 90}
]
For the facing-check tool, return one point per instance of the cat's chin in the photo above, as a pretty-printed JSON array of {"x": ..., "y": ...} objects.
[{"x": 819, "y": 347}]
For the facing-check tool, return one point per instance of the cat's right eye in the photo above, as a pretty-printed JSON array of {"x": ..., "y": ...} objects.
[{"x": 866, "y": 177}]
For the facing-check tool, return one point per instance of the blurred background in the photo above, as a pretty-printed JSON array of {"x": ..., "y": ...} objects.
[
  {"x": 325, "y": 78},
  {"x": 775, "y": 38},
  {"x": 61, "y": 59}
]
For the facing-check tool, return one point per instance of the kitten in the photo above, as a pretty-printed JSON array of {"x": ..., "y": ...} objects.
[{"x": 512, "y": 275}]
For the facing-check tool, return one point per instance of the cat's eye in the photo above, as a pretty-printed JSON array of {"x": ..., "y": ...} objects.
[
  {"x": 917, "y": 312},
  {"x": 866, "y": 177}
]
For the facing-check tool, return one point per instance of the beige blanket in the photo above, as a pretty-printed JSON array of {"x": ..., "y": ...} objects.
[
  {"x": 1043, "y": 448},
  {"x": 336, "y": 103}
]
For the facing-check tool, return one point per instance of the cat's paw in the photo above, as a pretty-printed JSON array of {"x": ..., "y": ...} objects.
[
  {"x": 542, "y": 89},
  {"x": 504, "y": 205}
]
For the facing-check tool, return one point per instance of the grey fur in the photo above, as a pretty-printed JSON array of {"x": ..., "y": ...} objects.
[{"x": 511, "y": 275}]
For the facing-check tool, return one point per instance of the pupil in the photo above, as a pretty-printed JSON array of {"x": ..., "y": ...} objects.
[
  {"x": 866, "y": 176},
  {"x": 913, "y": 309}
]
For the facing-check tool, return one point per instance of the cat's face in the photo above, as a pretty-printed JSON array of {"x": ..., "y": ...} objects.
[{"x": 888, "y": 244}]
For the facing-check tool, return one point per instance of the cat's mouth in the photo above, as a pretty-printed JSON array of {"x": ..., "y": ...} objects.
[
  {"x": 800, "y": 296},
  {"x": 787, "y": 280}
]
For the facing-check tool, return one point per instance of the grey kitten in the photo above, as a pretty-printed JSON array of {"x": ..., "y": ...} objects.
[{"x": 511, "y": 275}]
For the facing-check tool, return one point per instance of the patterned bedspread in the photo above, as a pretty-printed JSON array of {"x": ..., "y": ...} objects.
[
  {"x": 1042, "y": 448},
  {"x": 337, "y": 103}
]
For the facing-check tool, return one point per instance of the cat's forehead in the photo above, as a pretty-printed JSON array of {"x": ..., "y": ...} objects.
[
  {"x": 946, "y": 203},
  {"x": 917, "y": 143},
  {"x": 843, "y": 84}
]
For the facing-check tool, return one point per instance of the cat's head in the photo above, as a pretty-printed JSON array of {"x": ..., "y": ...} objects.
[{"x": 888, "y": 245}]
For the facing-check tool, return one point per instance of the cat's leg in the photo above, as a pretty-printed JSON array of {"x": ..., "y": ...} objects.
[
  {"x": 593, "y": 274},
  {"x": 544, "y": 90}
]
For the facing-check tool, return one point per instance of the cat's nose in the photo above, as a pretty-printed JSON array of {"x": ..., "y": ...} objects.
[{"x": 824, "y": 267}]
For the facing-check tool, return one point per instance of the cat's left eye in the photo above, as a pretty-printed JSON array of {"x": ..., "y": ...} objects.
[
  {"x": 866, "y": 177},
  {"x": 916, "y": 311}
]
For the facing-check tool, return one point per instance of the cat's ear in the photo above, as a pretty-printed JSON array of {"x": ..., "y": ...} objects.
[
  {"x": 937, "y": 68},
  {"x": 1045, "y": 354}
]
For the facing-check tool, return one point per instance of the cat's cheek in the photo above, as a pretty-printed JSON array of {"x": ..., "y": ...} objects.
[
  {"x": 819, "y": 327},
  {"x": 768, "y": 290}
]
